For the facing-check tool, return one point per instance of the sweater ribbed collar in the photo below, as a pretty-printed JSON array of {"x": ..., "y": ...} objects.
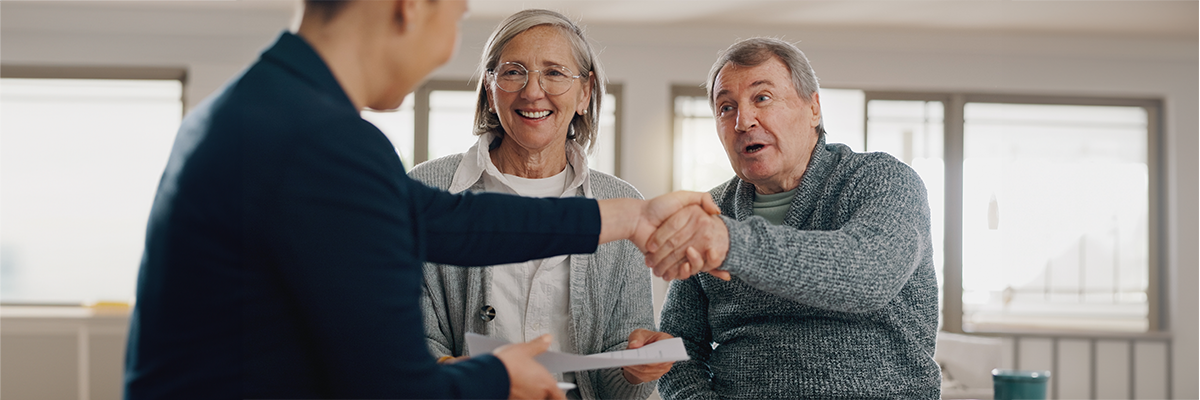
[{"x": 805, "y": 202}]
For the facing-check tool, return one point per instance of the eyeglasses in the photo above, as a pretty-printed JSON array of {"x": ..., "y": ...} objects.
[{"x": 512, "y": 77}]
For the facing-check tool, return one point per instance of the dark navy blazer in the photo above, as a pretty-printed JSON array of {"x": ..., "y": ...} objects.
[{"x": 284, "y": 250}]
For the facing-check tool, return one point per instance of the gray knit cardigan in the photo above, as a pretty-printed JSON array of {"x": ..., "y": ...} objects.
[
  {"x": 610, "y": 293},
  {"x": 838, "y": 302}
]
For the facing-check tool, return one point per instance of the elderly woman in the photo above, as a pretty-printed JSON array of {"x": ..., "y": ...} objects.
[{"x": 539, "y": 96}]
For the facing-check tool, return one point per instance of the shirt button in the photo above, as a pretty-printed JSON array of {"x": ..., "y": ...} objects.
[{"x": 487, "y": 313}]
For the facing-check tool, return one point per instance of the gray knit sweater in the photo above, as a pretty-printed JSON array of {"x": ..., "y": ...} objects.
[
  {"x": 609, "y": 296},
  {"x": 838, "y": 302}
]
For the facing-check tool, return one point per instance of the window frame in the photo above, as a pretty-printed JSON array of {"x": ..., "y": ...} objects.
[{"x": 100, "y": 72}]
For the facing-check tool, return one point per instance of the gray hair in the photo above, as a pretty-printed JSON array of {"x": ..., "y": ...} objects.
[
  {"x": 583, "y": 128},
  {"x": 755, "y": 51}
]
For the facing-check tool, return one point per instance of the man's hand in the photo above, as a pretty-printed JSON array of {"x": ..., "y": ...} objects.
[
  {"x": 527, "y": 378},
  {"x": 689, "y": 242},
  {"x": 637, "y": 374}
]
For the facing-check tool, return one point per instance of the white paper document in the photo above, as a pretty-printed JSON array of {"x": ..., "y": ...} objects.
[{"x": 657, "y": 352}]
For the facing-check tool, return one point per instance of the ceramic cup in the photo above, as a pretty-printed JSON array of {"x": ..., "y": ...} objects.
[{"x": 1016, "y": 384}]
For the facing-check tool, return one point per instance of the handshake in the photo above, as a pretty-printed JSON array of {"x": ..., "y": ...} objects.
[{"x": 680, "y": 233}]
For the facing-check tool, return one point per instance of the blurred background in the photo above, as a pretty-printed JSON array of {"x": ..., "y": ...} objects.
[{"x": 1057, "y": 140}]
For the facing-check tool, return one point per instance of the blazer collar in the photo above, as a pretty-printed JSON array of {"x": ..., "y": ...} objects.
[{"x": 292, "y": 53}]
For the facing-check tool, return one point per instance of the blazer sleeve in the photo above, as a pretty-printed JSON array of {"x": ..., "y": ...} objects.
[
  {"x": 480, "y": 229},
  {"x": 348, "y": 239}
]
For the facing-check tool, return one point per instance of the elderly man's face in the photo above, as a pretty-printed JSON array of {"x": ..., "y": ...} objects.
[{"x": 768, "y": 130}]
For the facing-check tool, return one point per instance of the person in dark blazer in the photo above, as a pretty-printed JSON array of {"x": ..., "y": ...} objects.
[{"x": 284, "y": 250}]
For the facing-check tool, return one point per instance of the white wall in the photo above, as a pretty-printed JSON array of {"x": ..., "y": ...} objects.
[{"x": 215, "y": 43}]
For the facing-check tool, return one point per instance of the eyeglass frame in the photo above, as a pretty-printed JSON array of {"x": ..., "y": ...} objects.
[{"x": 541, "y": 76}]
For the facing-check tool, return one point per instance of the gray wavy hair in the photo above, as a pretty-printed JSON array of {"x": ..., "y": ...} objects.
[
  {"x": 755, "y": 51},
  {"x": 583, "y": 128}
]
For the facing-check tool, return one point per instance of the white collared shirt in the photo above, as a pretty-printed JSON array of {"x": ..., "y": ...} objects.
[{"x": 530, "y": 298}]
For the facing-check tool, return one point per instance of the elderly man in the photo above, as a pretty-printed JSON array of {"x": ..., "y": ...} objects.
[{"x": 833, "y": 292}]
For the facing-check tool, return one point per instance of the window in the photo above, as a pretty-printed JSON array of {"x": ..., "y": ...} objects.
[
  {"x": 81, "y": 160},
  {"x": 397, "y": 125},
  {"x": 1042, "y": 213},
  {"x": 1055, "y": 217},
  {"x": 451, "y": 116},
  {"x": 436, "y": 121},
  {"x": 700, "y": 160},
  {"x": 1043, "y": 208},
  {"x": 608, "y": 141}
]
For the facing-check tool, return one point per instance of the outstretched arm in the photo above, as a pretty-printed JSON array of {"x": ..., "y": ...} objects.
[{"x": 859, "y": 267}]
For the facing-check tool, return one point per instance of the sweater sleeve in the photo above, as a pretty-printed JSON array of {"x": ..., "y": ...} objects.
[
  {"x": 859, "y": 267},
  {"x": 685, "y": 315}
]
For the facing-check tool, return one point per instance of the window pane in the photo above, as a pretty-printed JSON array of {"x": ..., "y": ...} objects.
[
  {"x": 701, "y": 163},
  {"x": 451, "y": 116},
  {"x": 604, "y": 152},
  {"x": 1055, "y": 217},
  {"x": 912, "y": 131},
  {"x": 81, "y": 161},
  {"x": 842, "y": 114},
  {"x": 398, "y": 126}
]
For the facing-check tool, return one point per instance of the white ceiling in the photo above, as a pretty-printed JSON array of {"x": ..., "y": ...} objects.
[
  {"x": 1150, "y": 18},
  {"x": 1176, "y": 19}
]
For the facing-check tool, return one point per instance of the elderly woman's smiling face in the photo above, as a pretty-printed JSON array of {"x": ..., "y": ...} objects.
[{"x": 532, "y": 118}]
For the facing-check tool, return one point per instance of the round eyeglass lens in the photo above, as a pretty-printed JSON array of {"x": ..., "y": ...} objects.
[{"x": 555, "y": 80}]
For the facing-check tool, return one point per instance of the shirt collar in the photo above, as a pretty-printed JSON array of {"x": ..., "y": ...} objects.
[{"x": 477, "y": 161}]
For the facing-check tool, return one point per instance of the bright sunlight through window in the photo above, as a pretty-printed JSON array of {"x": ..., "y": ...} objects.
[{"x": 81, "y": 163}]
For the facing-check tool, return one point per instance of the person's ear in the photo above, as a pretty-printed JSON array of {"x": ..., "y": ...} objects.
[
  {"x": 814, "y": 105},
  {"x": 487, "y": 95},
  {"x": 585, "y": 101},
  {"x": 402, "y": 13}
]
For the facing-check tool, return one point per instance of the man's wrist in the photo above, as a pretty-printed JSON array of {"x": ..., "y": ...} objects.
[{"x": 618, "y": 218}]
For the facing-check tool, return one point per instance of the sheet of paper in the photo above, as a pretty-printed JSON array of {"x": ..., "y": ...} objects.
[{"x": 657, "y": 352}]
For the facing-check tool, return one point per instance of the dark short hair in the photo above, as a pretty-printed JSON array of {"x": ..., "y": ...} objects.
[
  {"x": 755, "y": 51},
  {"x": 327, "y": 9}
]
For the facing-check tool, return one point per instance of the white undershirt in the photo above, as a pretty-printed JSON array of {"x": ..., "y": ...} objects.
[
  {"x": 533, "y": 298},
  {"x": 529, "y": 298}
]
